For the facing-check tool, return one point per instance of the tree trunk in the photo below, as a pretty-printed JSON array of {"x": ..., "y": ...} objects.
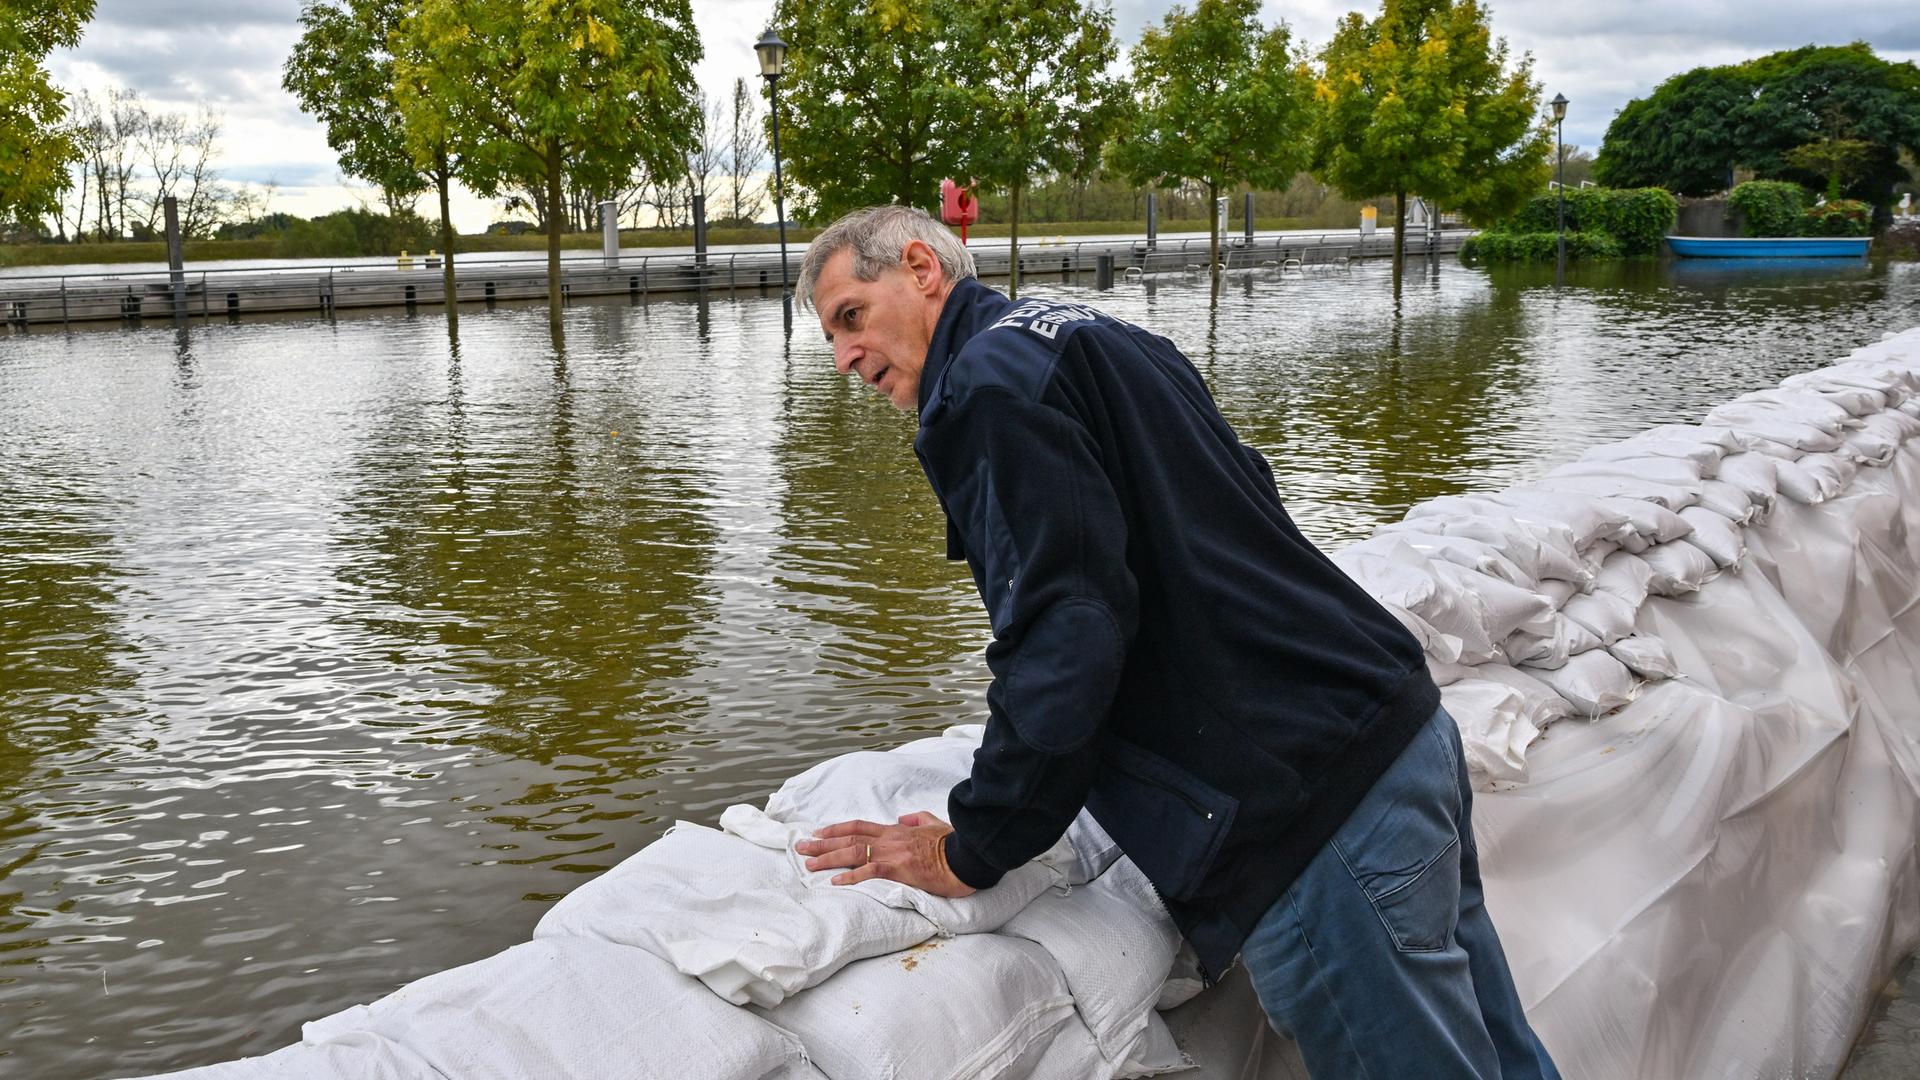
[
  {"x": 1013, "y": 249},
  {"x": 555, "y": 220},
  {"x": 1213, "y": 233},
  {"x": 441, "y": 180}
]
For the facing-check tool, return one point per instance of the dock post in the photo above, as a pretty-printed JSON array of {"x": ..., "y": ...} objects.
[
  {"x": 1103, "y": 271},
  {"x": 700, "y": 231},
  {"x": 176, "y": 260},
  {"x": 63, "y": 304},
  {"x": 1153, "y": 220},
  {"x": 610, "y": 232},
  {"x": 1248, "y": 214}
]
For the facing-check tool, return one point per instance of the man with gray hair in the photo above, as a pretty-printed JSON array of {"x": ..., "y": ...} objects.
[{"x": 1171, "y": 655}]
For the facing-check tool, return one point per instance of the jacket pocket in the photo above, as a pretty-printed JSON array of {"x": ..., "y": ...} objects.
[{"x": 1168, "y": 821}]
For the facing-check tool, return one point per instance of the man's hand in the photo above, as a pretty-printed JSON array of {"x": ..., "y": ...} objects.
[{"x": 911, "y": 853}]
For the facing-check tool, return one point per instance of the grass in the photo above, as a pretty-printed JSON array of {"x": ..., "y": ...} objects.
[{"x": 268, "y": 247}]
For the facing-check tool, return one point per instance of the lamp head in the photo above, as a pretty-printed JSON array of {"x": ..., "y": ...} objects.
[
  {"x": 1559, "y": 100},
  {"x": 773, "y": 54}
]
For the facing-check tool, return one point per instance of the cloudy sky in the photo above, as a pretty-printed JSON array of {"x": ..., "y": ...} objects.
[{"x": 1600, "y": 54}]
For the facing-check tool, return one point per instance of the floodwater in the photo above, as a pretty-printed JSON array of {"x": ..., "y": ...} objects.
[{"x": 331, "y": 655}]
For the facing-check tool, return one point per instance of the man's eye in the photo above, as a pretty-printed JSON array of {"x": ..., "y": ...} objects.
[{"x": 852, "y": 316}]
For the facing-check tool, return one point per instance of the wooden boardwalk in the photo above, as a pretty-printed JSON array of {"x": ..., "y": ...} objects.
[{"x": 234, "y": 293}]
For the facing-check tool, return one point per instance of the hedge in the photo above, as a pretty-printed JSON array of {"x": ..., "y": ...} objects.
[
  {"x": 1639, "y": 218},
  {"x": 1769, "y": 207},
  {"x": 1499, "y": 245}
]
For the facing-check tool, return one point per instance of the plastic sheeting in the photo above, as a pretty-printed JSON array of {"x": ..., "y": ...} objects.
[{"x": 1697, "y": 785}]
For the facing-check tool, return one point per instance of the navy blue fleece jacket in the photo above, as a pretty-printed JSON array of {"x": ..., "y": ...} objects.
[{"x": 1168, "y": 650}]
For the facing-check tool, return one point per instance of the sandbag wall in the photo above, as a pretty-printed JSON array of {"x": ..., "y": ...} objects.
[{"x": 1687, "y": 673}]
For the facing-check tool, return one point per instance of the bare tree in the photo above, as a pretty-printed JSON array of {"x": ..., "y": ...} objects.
[
  {"x": 709, "y": 153},
  {"x": 207, "y": 200},
  {"x": 112, "y": 130},
  {"x": 746, "y": 152},
  {"x": 162, "y": 140}
]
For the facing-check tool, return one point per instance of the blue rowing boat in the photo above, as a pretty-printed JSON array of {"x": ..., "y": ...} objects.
[{"x": 1770, "y": 247}]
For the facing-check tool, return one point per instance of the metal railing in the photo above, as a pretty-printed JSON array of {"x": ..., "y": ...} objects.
[{"x": 327, "y": 288}]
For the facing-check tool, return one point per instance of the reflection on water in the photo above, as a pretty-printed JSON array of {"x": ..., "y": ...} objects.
[{"x": 332, "y": 653}]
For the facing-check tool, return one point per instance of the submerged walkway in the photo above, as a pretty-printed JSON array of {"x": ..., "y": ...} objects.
[{"x": 63, "y": 299}]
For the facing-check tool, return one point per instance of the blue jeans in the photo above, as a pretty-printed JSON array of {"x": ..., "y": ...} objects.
[{"x": 1381, "y": 961}]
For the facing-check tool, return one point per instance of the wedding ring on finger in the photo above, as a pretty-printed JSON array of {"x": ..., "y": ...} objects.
[{"x": 869, "y": 857}]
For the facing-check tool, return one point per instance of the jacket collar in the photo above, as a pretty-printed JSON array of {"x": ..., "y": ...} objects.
[{"x": 971, "y": 307}]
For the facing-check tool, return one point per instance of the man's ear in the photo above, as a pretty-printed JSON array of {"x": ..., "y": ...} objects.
[{"x": 924, "y": 266}]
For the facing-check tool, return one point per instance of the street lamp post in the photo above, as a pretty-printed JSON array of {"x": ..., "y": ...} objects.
[
  {"x": 773, "y": 62},
  {"x": 1560, "y": 181}
]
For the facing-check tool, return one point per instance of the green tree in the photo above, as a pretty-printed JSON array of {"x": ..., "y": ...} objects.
[
  {"x": 868, "y": 109},
  {"x": 1221, "y": 101},
  {"x": 1800, "y": 115},
  {"x": 342, "y": 72},
  {"x": 1420, "y": 100},
  {"x": 1833, "y": 93},
  {"x": 546, "y": 93},
  {"x": 36, "y": 144},
  {"x": 1684, "y": 137},
  {"x": 1039, "y": 100}
]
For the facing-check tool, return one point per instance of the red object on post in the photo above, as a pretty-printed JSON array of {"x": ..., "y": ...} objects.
[{"x": 958, "y": 206}]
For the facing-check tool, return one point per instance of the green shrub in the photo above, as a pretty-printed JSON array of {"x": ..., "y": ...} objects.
[
  {"x": 1838, "y": 217},
  {"x": 1499, "y": 245},
  {"x": 352, "y": 233},
  {"x": 1769, "y": 207},
  {"x": 1638, "y": 218}
]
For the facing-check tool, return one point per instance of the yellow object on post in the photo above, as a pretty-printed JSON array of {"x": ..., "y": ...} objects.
[{"x": 405, "y": 262}]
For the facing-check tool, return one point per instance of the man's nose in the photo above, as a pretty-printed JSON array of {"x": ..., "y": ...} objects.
[{"x": 844, "y": 354}]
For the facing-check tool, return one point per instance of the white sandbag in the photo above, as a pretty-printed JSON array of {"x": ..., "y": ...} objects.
[
  {"x": 1405, "y": 579},
  {"x": 1503, "y": 608},
  {"x": 1723, "y": 541},
  {"x": 1646, "y": 656},
  {"x": 1799, "y": 484},
  {"x": 977, "y": 1006},
  {"x": 1114, "y": 943},
  {"x": 1704, "y": 456},
  {"x": 1668, "y": 495},
  {"x": 1558, "y": 591},
  {"x": 871, "y": 786},
  {"x": 1721, "y": 438},
  {"x": 1893, "y": 423},
  {"x": 567, "y": 1007},
  {"x": 1675, "y": 471},
  {"x": 1869, "y": 446},
  {"x": 1677, "y": 568},
  {"x": 1832, "y": 472},
  {"x": 358, "y": 1055},
  {"x": 1439, "y": 647},
  {"x": 1755, "y": 475},
  {"x": 1605, "y": 614},
  {"x": 1539, "y": 551},
  {"x": 1586, "y": 518},
  {"x": 1626, "y": 576},
  {"x": 1758, "y": 420},
  {"x": 1647, "y": 524},
  {"x": 1184, "y": 981},
  {"x": 1550, "y": 650},
  {"x": 981, "y": 912},
  {"x": 1593, "y": 683},
  {"x": 1444, "y": 672},
  {"x": 1458, "y": 550},
  {"x": 1804, "y": 405},
  {"x": 1731, "y": 503},
  {"x": 1072, "y": 1054},
  {"x": 1494, "y": 727},
  {"x": 741, "y": 918}
]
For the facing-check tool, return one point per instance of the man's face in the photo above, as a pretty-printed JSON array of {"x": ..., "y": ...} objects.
[{"x": 880, "y": 329}]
